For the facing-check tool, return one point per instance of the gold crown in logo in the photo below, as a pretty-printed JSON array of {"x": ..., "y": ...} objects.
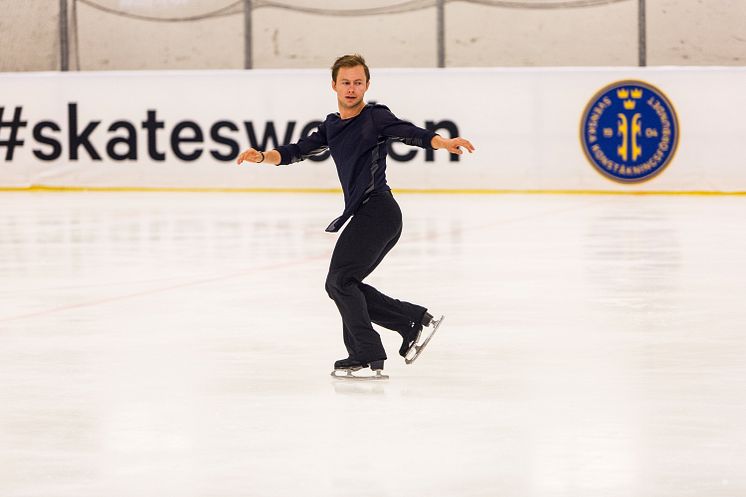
[{"x": 625, "y": 94}]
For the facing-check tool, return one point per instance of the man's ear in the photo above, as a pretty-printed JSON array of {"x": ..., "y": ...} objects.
[{"x": 334, "y": 85}]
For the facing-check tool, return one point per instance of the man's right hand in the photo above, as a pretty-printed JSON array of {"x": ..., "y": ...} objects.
[{"x": 250, "y": 155}]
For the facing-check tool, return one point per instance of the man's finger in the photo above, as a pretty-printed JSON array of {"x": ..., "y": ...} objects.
[{"x": 468, "y": 145}]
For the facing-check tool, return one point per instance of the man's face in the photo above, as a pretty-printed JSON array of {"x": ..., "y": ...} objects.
[{"x": 350, "y": 86}]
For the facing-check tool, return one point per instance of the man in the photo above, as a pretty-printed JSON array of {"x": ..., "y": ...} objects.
[{"x": 357, "y": 136}]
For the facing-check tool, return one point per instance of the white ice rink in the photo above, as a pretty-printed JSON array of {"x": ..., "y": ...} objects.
[{"x": 179, "y": 345}]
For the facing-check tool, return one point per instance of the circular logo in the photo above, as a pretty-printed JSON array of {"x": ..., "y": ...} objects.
[{"x": 629, "y": 131}]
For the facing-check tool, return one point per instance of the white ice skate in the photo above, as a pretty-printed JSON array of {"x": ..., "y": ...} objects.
[{"x": 417, "y": 348}]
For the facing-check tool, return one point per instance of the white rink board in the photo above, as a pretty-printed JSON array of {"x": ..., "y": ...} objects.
[{"x": 523, "y": 122}]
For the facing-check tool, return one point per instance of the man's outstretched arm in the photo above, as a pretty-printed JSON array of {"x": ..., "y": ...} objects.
[
  {"x": 314, "y": 144},
  {"x": 391, "y": 126}
]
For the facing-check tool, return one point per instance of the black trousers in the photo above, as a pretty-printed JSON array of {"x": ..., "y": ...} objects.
[{"x": 370, "y": 235}]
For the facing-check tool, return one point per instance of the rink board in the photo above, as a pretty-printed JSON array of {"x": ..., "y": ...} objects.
[{"x": 181, "y": 130}]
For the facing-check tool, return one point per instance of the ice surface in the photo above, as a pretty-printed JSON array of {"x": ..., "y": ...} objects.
[{"x": 179, "y": 345}]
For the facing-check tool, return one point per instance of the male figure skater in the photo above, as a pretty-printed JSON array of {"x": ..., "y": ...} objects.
[{"x": 356, "y": 136}]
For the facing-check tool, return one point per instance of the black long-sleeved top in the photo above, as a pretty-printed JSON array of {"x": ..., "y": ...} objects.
[{"x": 358, "y": 147}]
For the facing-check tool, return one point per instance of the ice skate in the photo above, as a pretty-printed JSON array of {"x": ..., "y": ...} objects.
[
  {"x": 419, "y": 345},
  {"x": 412, "y": 336},
  {"x": 344, "y": 369}
]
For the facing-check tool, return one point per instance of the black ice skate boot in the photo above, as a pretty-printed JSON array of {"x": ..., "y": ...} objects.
[
  {"x": 349, "y": 364},
  {"x": 410, "y": 339}
]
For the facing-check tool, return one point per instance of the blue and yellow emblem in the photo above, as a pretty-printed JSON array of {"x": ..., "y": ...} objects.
[{"x": 629, "y": 131}]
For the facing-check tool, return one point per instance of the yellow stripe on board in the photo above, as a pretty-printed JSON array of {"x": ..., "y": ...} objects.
[
  {"x": 41, "y": 188},
  {"x": 562, "y": 192},
  {"x": 435, "y": 191}
]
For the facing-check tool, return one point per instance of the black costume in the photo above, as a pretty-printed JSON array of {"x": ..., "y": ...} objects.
[{"x": 358, "y": 147}]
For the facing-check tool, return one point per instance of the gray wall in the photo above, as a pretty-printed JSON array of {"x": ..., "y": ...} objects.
[
  {"x": 29, "y": 35},
  {"x": 679, "y": 32}
]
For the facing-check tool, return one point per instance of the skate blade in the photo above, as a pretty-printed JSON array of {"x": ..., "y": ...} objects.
[
  {"x": 419, "y": 348},
  {"x": 347, "y": 374}
]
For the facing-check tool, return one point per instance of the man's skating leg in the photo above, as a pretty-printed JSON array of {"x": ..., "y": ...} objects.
[
  {"x": 362, "y": 342},
  {"x": 359, "y": 249}
]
